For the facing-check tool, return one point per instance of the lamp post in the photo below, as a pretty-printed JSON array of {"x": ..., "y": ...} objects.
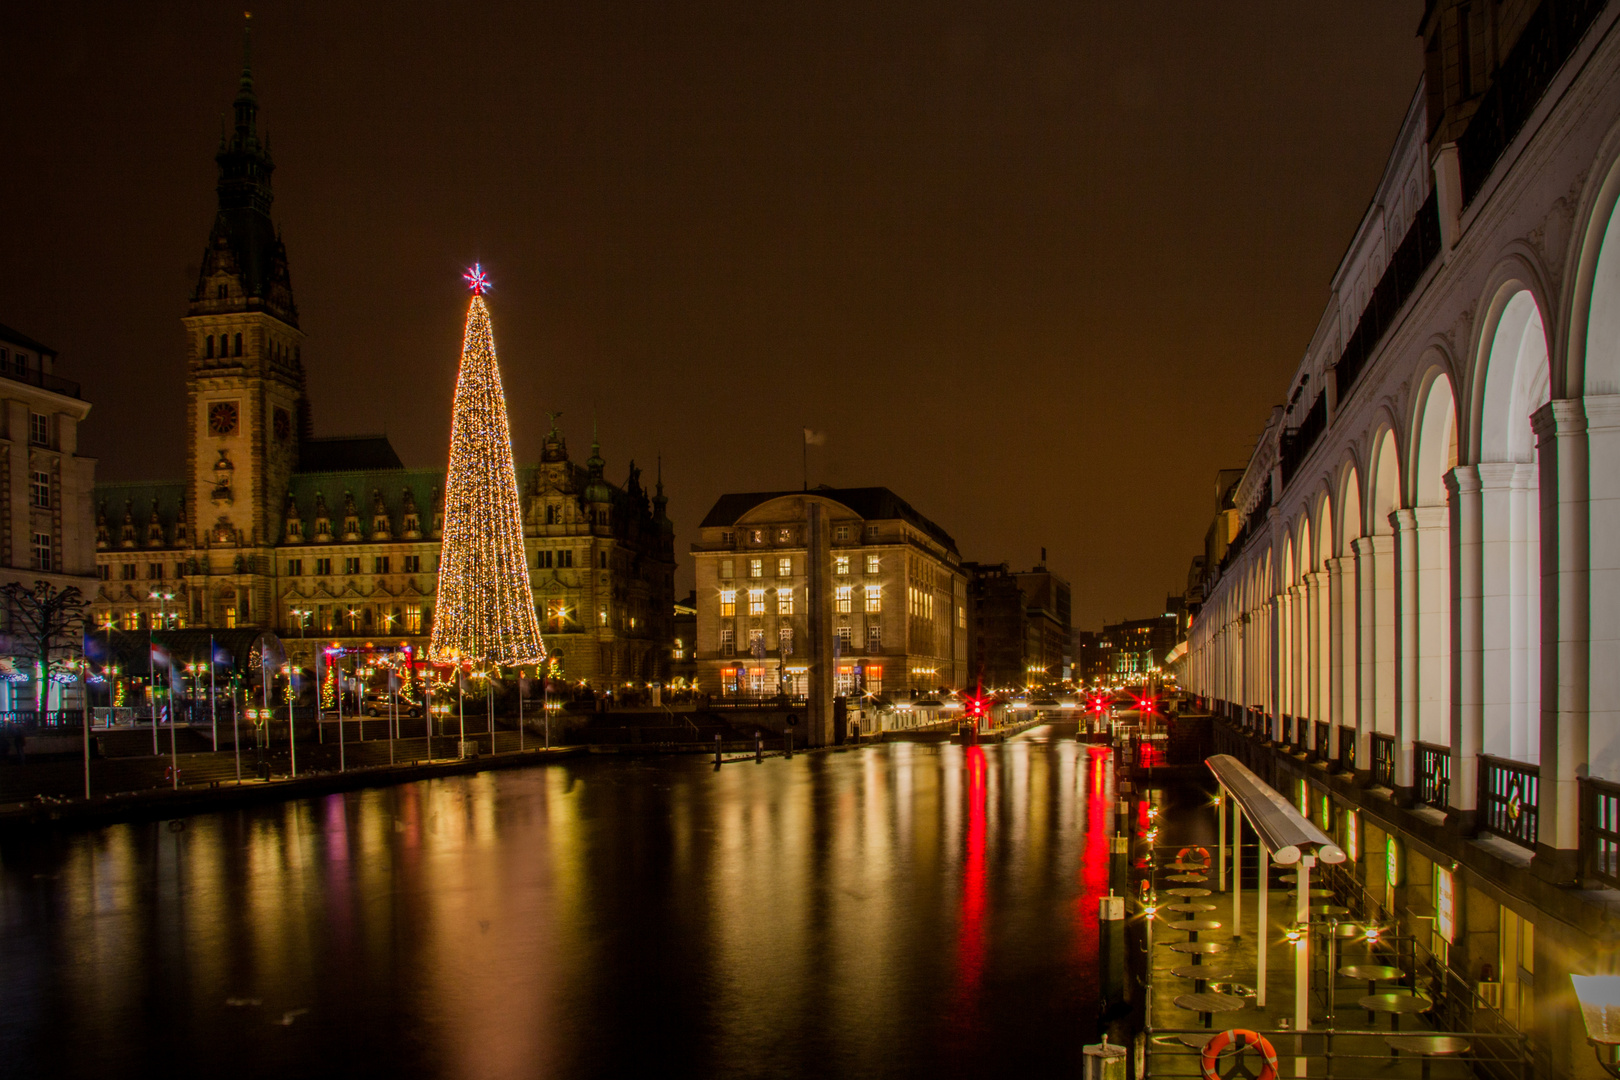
[
  {"x": 292, "y": 728},
  {"x": 1599, "y": 996},
  {"x": 151, "y": 669}
]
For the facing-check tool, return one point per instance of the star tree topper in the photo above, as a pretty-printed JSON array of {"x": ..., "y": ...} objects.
[{"x": 477, "y": 280}]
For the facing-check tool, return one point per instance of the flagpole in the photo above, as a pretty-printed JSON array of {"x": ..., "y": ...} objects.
[
  {"x": 174, "y": 750},
  {"x": 213, "y": 700},
  {"x": 236, "y": 734}
]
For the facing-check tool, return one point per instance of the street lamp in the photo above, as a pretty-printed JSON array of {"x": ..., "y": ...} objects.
[
  {"x": 1599, "y": 996},
  {"x": 151, "y": 669}
]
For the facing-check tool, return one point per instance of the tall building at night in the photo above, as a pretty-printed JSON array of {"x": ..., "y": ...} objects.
[
  {"x": 333, "y": 538},
  {"x": 1018, "y": 626},
  {"x": 893, "y": 593},
  {"x": 46, "y": 524}
]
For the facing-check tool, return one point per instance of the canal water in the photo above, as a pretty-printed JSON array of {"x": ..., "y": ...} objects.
[{"x": 905, "y": 910}]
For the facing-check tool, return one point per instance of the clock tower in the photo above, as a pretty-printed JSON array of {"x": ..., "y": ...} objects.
[{"x": 245, "y": 406}]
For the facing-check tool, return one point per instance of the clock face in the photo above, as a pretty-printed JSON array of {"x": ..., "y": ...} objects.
[
  {"x": 283, "y": 425},
  {"x": 222, "y": 417}
]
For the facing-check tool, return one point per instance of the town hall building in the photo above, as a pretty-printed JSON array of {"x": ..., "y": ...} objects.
[{"x": 334, "y": 539}]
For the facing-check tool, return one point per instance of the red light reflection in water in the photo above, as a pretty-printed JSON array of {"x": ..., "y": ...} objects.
[
  {"x": 1094, "y": 857},
  {"x": 970, "y": 944}
]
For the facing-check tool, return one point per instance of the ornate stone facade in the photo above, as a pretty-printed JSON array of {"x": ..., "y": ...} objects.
[{"x": 333, "y": 539}]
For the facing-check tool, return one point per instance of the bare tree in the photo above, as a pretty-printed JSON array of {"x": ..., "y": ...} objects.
[{"x": 46, "y": 627}]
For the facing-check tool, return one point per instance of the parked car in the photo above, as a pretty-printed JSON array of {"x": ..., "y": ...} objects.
[{"x": 377, "y": 703}]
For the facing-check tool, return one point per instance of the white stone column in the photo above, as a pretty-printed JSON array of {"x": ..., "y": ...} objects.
[
  {"x": 1561, "y": 441},
  {"x": 1467, "y": 634},
  {"x": 1603, "y": 563},
  {"x": 1336, "y": 680},
  {"x": 1406, "y": 641},
  {"x": 1314, "y": 601},
  {"x": 1366, "y": 649}
]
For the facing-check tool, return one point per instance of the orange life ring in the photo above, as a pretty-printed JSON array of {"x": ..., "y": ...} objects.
[
  {"x": 1217, "y": 1043},
  {"x": 1182, "y": 854}
]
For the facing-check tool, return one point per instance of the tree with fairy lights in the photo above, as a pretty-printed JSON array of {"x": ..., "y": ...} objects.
[{"x": 484, "y": 614}]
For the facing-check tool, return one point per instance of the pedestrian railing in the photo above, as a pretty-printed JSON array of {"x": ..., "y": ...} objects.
[
  {"x": 1431, "y": 765},
  {"x": 1383, "y": 759},
  {"x": 1510, "y": 799},
  {"x": 1346, "y": 1053}
]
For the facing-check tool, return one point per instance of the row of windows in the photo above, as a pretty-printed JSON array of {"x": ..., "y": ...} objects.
[
  {"x": 563, "y": 559},
  {"x": 224, "y": 344},
  {"x": 784, "y": 567},
  {"x": 380, "y": 564},
  {"x": 409, "y": 619},
  {"x": 843, "y": 601},
  {"x": 843, "y": 637},
  {"x": 786, "y": 535}
]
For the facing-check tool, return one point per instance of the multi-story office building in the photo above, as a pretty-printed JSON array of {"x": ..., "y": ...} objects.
[
  {"x": 895, "y": 595},
  {"x": 46, "y": 527},
  {"x": 333, "y": 538}
]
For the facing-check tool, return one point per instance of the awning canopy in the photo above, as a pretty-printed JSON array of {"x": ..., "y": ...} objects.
[{"x": 1283, "y": 830}]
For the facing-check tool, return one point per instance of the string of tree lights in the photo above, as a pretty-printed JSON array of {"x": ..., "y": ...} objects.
[{"x": 484, "y": 614}]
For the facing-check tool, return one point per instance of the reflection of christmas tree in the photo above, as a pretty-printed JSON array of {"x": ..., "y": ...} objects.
[{"x": 485, "y": 609}]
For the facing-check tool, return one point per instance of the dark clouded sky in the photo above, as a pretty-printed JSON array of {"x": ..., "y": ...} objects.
[{"x": 1040, "y": 267}]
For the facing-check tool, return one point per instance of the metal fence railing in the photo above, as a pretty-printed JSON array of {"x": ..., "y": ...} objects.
[
  {"x": 1383, "y": 759},
  {"x": 1510, "y": 799},
  {"x": 1431, "y": 765}
]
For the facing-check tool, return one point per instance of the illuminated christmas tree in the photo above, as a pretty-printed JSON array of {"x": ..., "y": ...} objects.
[{"x": 485, "y": 609}]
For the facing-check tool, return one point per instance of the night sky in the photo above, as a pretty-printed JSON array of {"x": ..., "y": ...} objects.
[{"x": 1039, "y": 267}]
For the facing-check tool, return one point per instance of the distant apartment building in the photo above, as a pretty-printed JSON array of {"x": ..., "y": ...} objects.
[
  {"x": 47, "y": 532},
  {"x": 893, "y": 592},
  {"x": 1018, "y": 626},
  {"x": 1126, "y": 651}
]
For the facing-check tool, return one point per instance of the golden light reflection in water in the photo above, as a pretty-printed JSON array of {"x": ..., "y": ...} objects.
[{"x": 834, "y": 913}]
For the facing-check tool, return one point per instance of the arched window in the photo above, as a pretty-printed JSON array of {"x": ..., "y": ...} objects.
[
  {"x": 238, "y": 344},
  {"x": 208, "y": 346},
  {"x": 224, "y": 345}
]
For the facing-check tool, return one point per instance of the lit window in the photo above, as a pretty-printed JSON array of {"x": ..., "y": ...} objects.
[
  {"x": 874, "y": 599},
  {"x": 874, "y": 678},
  {"x": 784, "y": 536},
  {"x": 874, "y": 639},
  {"x": 413, "y": 618},
  {"x": 784, "y": 638},
  {"x": 841, "y": 564},
  {"x": 961, "y": 617},
  {"x": 602, "y": 616},
  {"x": 844, "y": 635},
  {"x": 726, "y": 570},
  {"x": 756, "y": 601},
  {"x": 42, "y": 551},
  {"x": 728, "y": 641},
  {"x": 728, "y": 603},
  {"x": 756, "y": 536},
  {"x": 842, "y": 598},
  {"x": 756, "y": 568},
  {"x": 784, "y": 601},
  {"x": 556, "y": 614},
  {"x": 39, "y": 489},
  {"x": 871, "y": 564},
  {"x": 784, "y": 567},
  {"x": 756, "y": 641},
  {"x": 39, "y": 429}
]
